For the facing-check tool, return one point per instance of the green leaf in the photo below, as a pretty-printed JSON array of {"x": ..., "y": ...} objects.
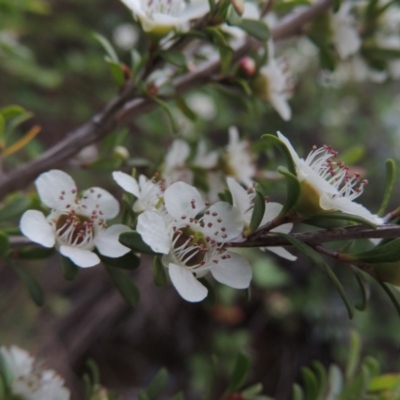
[
  {"x": 283, "y": 149},
  {"x": 320, "y": 373},
  {"x": 5, "y": 374},
  {"x": 232, "y": 17},
  {"x": 159, "y": 271},
  {"x": 310, "y": 384},
  {"x": 174, "y": 57},
  {"x": 134, "y": 241},
  {"x": 4, "y": 244},
  {"x": 255, "y": 28},
  {"x": 386, "y": 253},
  {"x": 127, "y": 261},
  {"x": 323, "y": 219},
  {"x": 124, "y": 284},
  {"x": 318, "y": 260},
  {"x": 353, "y": 155},
  {"x": 109, "y": 49},
  {"x": 178, "y": 396},
  {"x": 293, "y": 190},
  {"x": 384, "y": 382},
  {"x": 298, "y": 393},
  {"x": 186, "y": 110},
  {"x": 94, "y": 370},
  {"x": 353, "y": 355},
  {"x": 391, "y": 296},
  {"x": 239, "y": 374},
  {"x": 29, "y": 281},
  {"x": 34, "y": 253},
  {"x": 373, "y": 366},
  {"x": 363, "y": 289},
  {"x": 2, "y": 125},
  {"x": 169, "y": 113},
  {"x": 157, "y": 385},
  {"x": 336, "y": 5},
  {"x": 249, "y": 393},
  {"x": 14, "y": 206},
  {"x": 389, "y": 185},
  {"x": 116, "y": 71},
  {"x": 258, "y": 211},
  {"x": 69, "y": 269},
  {"x": 357, "y": 387},
  {"x": 12, "y": 111}
]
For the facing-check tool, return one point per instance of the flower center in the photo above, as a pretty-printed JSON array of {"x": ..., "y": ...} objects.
[{"x": 74, "y": 230}]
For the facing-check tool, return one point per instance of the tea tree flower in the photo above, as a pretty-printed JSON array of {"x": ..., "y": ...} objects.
[
  {"x": 76, "y": 224},
  {"x": 27, "y": 382},
  {"x": 326, "y": 185},
  {"x": 243, "y": 201},
  {"x": 159, "y": 17},
  {"x": 147, "y": 191},
  {"x": 191, "y": 235},
  {"x": 175, "y": 165}
]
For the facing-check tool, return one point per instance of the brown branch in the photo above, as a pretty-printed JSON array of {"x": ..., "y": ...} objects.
[{"x": 121, "y": 108}]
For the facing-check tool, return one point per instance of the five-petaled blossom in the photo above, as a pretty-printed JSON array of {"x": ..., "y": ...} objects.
[
  {"x": 243, "y": 201},
  {"x": 159, "y": 17},
  {"x": 76, "y": 224},
  {"x": 26, "y": 381},
  {"x": 148, "y": 192},
  {"x": 326, "y": 185},
  {"x": 191, "y": 237}
]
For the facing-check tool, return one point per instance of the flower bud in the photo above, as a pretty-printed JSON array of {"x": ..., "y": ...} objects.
[
  {"x": 248, "y": 66},
  {"x": 121, "y": 152}
]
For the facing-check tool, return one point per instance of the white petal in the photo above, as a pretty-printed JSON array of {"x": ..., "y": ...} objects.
[
  {"x": 347, "y": 206},
  {"x": 281, "y": 252},
  {"x": 107, "y": 241},
  {"x": 279, "y": 102},
  {"x": 222, "y": 222},
  {"x": 101, "y": 201},
  {"x": 293, "y": 153},
  {"x": 234, "y": 271},
  {"x": 182, "y": 199},
  {"x": 272, "y": 210},
  {"x": 56, "y": 189},
  {"x": 240, "y": 196},
  {"x": 285, "y": 228},
  {"x": 186, "y": 284},
  {"x": 127, "y": 183},
  {"x": 82, "y": 258},
  {"x": 35, "y": 227},
  {"x": 153, "y": 231}
]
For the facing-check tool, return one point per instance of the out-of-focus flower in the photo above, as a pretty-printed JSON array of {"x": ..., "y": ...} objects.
[
  {"x": 238, "y": 160},
  {"x": 159, "y": 17},
  {"x": 203, "y": 105},
  {"x": 204, "y": 159},
  {"x": 190, "y": 236},
  {"x": 243, "y": 201},
  {"x": 326, "y": 185},
  {"x": 29, "y": 383},
  {"x": 274, "y": 84},
  {"x": 345, "y": 35},
  {"x": 175, "y": 164},
  {"x": 148, "y": 192},
  {"x": 126, "y": 36},
  {"x": 75, "y": 225}
]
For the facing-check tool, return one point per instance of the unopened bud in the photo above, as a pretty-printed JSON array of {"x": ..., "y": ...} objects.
[
  {"x": 248, "y": 66},
  {"x": 238, "y": 5},
  {"x": 121, "y": 152},
  {"x": 152, "y": 89}
]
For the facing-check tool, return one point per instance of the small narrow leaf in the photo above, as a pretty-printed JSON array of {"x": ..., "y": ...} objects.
[
  {"x": 116, "y": 71},
  {"x": 157, "y": 385},
  {"x": 255, "y": 28},
  {"x": 293, "y": 190},
  {"x": 69, "y": 269},
  {"x": 127, "y": 261},
  {"x": 94, "y": 370},
  {"x": 4, "y": 244},
  {"x": 321, "y": 375},
  {"x": 239, "y": 374},
  {"x": 363, "y": 289},
  {"x": 310, "y": 384},
  {"x": 321, "y": 219},
  {"x": 389, "y": 185},
  {"x": 186, "y": 110},
  {"x": 134, "y": 241},
  {"x": 297, "y": 392},
  {"x": 159, "y": 271},
  {"x": 169, "y": 113},
  {"x": 317, "y": 258},
  {"x": 252, "y": 391},
  {"x": 353, "y": 355},
  {"x": 283, "y": 149},
  {"x": 2, "y": 124},
  {"x": 109, "y": 49},
  {"x": 386, "y": 253},
  {"x": 34, "y": 253},
  {"x": 29, "y": 281},
  {"x": 258, "y": 211},
  {"x": 174, "y": 57},
  {"x": 384, "y": 382},
  {"x": 391, "y": 296},
  {"x": 124, "y": 284}
]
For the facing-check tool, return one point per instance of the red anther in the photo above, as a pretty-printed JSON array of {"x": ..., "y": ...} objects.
[
  {"x": 184, "y": 217},
  {"x": 214, "y": 214},
  {"x": 219, "y": 220},
  {"x": 209, "y": 224},
  {"x": 216, "y": 233},
  {"x": 223, "y": 229},
  {"x": 91, "y": 190}
]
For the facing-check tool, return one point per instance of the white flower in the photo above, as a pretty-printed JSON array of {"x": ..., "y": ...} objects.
[
  {"x": 243, "y": 201},
  {"x": 238, "y": 159},
  {"x": 326, "y": 185},
  {"x": 26, "y": 382},
  {"x": 191, "y": 237},
  {"x": 275, "y": 84},
  {"x": 203, "y": 159},
  {"x": 345, "y": 35},
  {"x": 161, "y": 16},
  {"x": 148, "y": 191},
  {"x": 175, "y": 165},
  {"x": 126, "y": 36},
  {"x": 76, "y": 225}
]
